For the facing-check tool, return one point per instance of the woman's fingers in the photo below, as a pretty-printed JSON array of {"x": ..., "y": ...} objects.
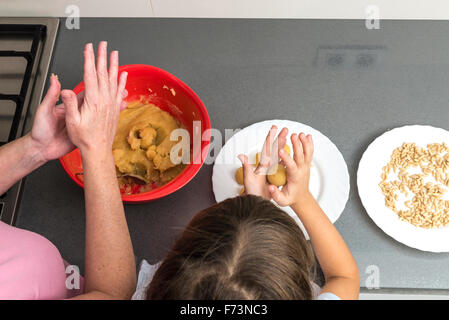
[
  {"x": 102, "y": 63},
  {"x": 80, "y": 97},
  {"x": 90, "y": 73},
  {"x": 71, "y": 106},
  {"x": 113, "y": 71},
  {"x": 60, "y": 111},
  {"x": 123, "y": 105},
  {"x": 52, "y": 95},
  {"x": 121, "y": 87},
  {"x": 298, "y": 152}
]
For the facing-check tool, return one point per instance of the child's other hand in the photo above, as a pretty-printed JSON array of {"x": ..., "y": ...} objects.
[
  {"x": 298, "y": 172},
  {"x": 255, "y": 180}
]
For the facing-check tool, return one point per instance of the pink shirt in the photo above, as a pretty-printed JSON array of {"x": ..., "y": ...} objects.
[{"x": 31, "y": 267}]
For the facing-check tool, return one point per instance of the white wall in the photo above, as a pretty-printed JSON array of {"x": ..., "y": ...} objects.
[
  {"x": 88, "y": 8},
  {"x": 331, "y": 9}
]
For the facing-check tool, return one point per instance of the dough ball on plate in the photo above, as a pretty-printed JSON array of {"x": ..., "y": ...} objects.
[
  {"x": 239, "y": 175},
  {"x": 279, "y": 178}
]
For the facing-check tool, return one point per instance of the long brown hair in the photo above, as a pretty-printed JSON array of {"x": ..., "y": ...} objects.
[{"x": 241, "y": 248}]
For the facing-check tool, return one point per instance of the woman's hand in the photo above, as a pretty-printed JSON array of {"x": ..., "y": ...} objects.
[
  {"x": 255, "y": 180},
  {"x": 49, "y": 133},
  {"x": 47, "y": 140},
  {"x": 110, "y": 270},
  {"x": 91, "y": 125},
  {"x": 298, "y": 172}
]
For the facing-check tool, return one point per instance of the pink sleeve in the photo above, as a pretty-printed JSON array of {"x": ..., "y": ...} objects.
[{"x": 31, "y": 267}]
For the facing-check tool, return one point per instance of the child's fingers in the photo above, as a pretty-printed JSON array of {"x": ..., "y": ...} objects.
[
  {"x": 277, "y": 195},
  {"x": 298, "y": 152},
  {"x": 270, "y": 137},
  {"x": 307, "y": 145},
  {"x": 248, "y": 169},
  {"x": 267, "y": 147},
  {"x": 288, "y": 161},
  {"x": 310, "y": 148},
  {"x": 279, "y": 143},
  {"x": 282, "y": 138}
]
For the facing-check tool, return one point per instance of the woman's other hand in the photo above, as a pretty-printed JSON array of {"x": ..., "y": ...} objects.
[
  {"x": 91, "y": 125},
  {"x": 49, "y": 133}
]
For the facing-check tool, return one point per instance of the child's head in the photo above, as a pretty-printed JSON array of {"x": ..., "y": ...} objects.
[{"x": 241, "y": 248}]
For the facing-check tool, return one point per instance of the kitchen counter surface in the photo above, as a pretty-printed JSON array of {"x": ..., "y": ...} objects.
[{"x": 350, "y": 83}]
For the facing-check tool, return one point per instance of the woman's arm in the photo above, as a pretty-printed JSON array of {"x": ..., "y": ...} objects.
[
  {"x": 110, "y": 271},
  {"x": 339, "y": 267},
  {"x": 17, "y": 159}
]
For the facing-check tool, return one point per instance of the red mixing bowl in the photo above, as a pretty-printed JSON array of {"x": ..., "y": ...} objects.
[{"x": 170, "y": 94}]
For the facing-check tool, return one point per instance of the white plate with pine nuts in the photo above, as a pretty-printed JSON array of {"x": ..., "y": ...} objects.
[
  {"x": 329, "y": 177},
  {"x": 403, "y": 182}
]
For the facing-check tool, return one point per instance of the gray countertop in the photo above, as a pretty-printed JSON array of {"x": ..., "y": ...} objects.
[{"x": 350, "y": 83}]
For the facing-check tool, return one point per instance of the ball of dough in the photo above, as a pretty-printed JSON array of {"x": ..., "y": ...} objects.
[
  {"x": 287, "y": 149},
  {"x": 239, "y": 175},
  {"x": 279, "y": 178},
  {"x": 258, "y": 154}
]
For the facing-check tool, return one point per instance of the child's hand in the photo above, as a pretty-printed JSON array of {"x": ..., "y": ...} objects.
[
  {"x": 298, "y": 172},
  {"x": 255, "y": 181}
]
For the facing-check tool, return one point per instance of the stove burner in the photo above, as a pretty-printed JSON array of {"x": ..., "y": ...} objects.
[
  {"x": 26, "y": 46},
  {"x": 38, "y": 33}
]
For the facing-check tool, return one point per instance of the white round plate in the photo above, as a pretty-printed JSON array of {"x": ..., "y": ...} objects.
[
  {"x": 376, "y": 156},
  {"x": 329, "y": 178}
]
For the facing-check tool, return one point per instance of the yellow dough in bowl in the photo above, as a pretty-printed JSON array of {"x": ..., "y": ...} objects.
[{"x": 142, "y": 144}]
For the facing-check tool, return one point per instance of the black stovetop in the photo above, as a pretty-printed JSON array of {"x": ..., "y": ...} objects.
[{"x": 25, "y": 52}]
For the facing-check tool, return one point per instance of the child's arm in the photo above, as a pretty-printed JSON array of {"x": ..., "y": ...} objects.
[{"x": 339, "y": 267}]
